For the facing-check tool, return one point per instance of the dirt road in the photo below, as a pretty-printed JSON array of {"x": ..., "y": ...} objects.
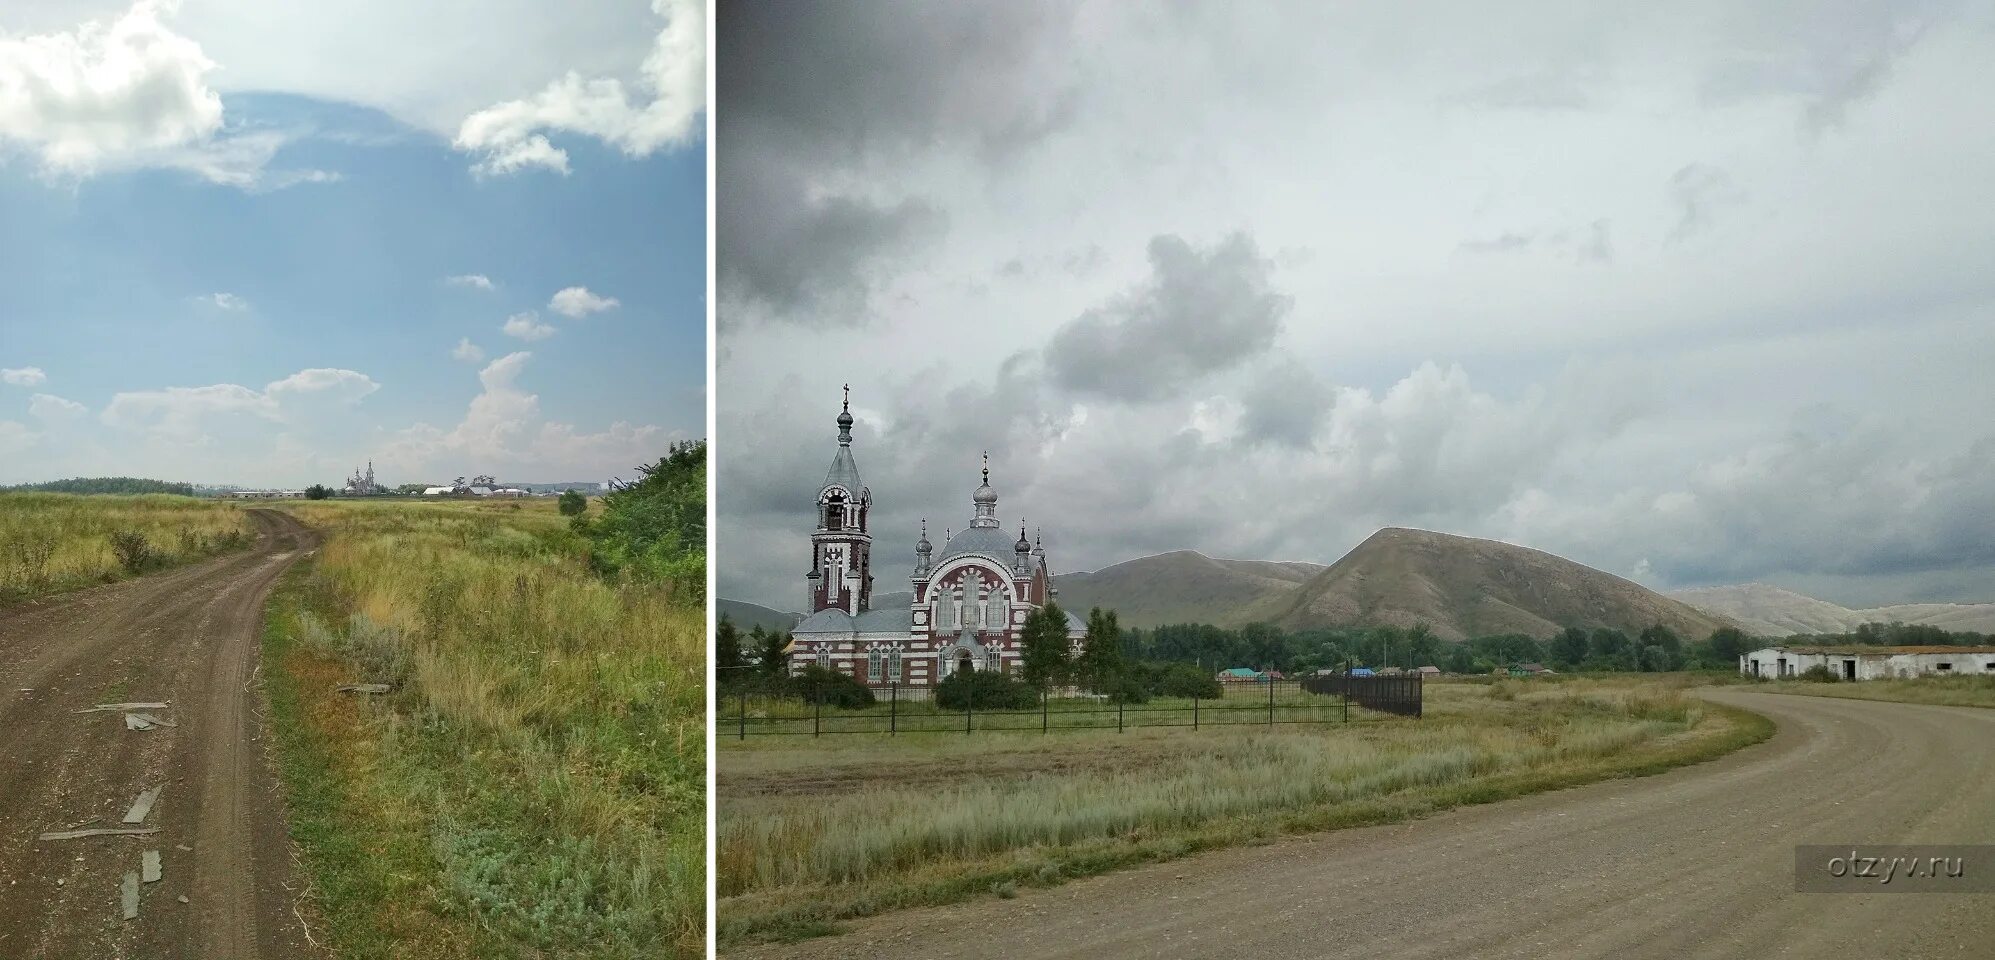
[
  {"x": 1698, "y": 862},
  {"x": 188, "y": 638}
]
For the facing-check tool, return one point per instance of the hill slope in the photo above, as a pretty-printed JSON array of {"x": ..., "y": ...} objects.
[
  {"x": 1185, "y": 587},
  {"x": 747, "y": 616},
  {"x": 1463, "y": 587},
  {"x": 1774, "y": 612}
]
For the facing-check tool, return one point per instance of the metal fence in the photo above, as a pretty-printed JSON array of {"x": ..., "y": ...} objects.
[{"x": 788, "y": 708}]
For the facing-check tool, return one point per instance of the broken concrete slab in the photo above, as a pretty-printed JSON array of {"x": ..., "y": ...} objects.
[
  {"x": 124, "y": 706},
  {"x": 143, "y": 805},
  {"x": 97, "y": 832},
  {"x": 130, "y": 895},
  {"x": 146, "y": 721},
  {"x": 149, "y": 866},
  {"x": 362, "y": 688}
]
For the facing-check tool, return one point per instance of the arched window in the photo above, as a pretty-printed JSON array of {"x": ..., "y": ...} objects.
[
  {"x": 894, "y": 665},
  {"x": 873, "y": 665},
  {"x": 834, "y": 512}
]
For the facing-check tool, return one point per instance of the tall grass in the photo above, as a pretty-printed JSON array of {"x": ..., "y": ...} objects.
[
  {"x": 51, "y": 542},
  {"x": 1968, "y": 690},
  {"x": 813, "y": 833},
  {"x": 547, "y": 729}
]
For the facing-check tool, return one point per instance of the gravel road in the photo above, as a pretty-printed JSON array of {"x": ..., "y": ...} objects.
[
  {"x": 1698, "y": 862},
  {"x": 189, "y": 638}
]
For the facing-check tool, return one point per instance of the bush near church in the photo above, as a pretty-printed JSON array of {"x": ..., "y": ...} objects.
[{"x": 984, "y": 690}]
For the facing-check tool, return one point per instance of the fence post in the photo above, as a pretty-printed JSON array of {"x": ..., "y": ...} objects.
[
  {"x": 894, "y": 709},
  {"x": 1044, "y": 713},
  {"x": 742, "y": 732},
  {"x": 1194, "y": 709},
  {"x": 1271, "y": 701},
  {"x": 1346, "y": 688},
  {"x": 969, "y": 705},
  {"x": 817, "y": 710}
]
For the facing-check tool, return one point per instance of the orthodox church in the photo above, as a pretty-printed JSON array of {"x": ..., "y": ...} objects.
[{"x": 970, "y": 602}]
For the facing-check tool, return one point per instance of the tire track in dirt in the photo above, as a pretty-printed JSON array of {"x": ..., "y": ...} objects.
[
  {"x": 191, "y": 638},
  {"x": 1693, "y": 863}
]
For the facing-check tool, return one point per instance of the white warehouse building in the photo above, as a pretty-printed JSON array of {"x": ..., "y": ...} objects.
[{"x": 1869, "y": 663}]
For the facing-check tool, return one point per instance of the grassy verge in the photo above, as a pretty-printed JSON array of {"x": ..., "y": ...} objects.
[
  {"x": 534, "y": 784},
  {"x": 811, "y": 834},
  {"x": 1967, "y": 691},
  {"x": 55, "y": 542}
]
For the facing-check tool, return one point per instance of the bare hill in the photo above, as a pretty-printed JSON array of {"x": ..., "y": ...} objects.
[
  {"x": 1774, "y": 612},
  {"x": 1463, "y": 587},
  {"x": 747, "y": 616},
  {"x": 1185, "y": 586}
]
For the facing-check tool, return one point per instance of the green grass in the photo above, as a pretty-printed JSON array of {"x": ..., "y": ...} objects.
[
  {"x": 54, "y": 542},
  {"x": 534, "y": 786},
  {"x": 819, "y": 831},
  {"x": 1964, "y": 691}
]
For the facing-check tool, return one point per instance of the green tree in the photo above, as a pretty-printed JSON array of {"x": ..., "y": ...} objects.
[
  {"x": 573, "y": 504},
  {"x": 1422, "y": 646},
  {"x": 1607, "y": 644},
  {"x": 727, "y": 651},
  {"x": 1459, "y": 659},
  {"x": 657, "y": 527},
  {"x": 318, "y": 491},
  {"x": 1569, "y": 647},
  {"x": 1727, "y": 645},
  {"x": 770, "y": 661},
  {"x": 1100, "y": 662},
  {"x": 1043, "y": 641}
]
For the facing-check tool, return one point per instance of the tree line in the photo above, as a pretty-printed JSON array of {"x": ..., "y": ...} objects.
[{"x": 126, "y": 486}]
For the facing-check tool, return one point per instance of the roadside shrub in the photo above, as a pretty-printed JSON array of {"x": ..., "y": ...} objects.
[
  {"x": 1126, "y": 689},
  {"x": 133, "y": 550},
  {"x": 1184, "y": 680},
  {"x": 832, "y": 688},
  {"x": 982, "y": 690},
  {"x": 1818, "y": 674}
]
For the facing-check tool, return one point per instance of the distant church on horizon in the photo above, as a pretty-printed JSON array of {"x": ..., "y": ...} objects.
[{"x": 970, "y": 603}]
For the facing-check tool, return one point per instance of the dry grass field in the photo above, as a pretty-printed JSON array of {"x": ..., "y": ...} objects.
[
  {"x": 533, "y": 786},
  {"x": 812, "y": 831},
  {"x": 52, "y": 542},
  {"x": 1965, "y": 691}
]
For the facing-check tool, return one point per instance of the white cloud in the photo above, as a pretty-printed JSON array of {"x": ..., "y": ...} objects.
[
  {"x": 502, "y": 429},
  {"x": 578, "y": 302},
  {"x": 126, "y": 94},
  {"x": 467, "y": 351},
  {"x": 477, "y": 280},
  {"x": 527, "y": 326},
  {"x": 54, "y": 409},
  {"x": 223, "y": 301},
  {"x": 23, "y": 376},
  {"x": 511, "y": 136},
  {"x": 15, "y": 437},
  {"x": 183, "y": 414}
]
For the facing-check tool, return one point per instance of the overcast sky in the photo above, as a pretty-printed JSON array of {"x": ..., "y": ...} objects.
[
  {"x": 261, "y": 241},
  {"x": 1693, "y": 293}
]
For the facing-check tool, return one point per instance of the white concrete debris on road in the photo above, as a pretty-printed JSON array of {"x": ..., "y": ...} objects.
[
  {"x": 149, "y": 868},
  {"x": 131, "y": 896},
  {"x": 143, "y": 805},
  {"x": 103, "y": 707}
]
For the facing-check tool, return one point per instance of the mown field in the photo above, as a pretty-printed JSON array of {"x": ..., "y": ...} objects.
[
  {"x": 533, "y": 786},
  {"x": 1963, "y": 691},
  {"x": 53, "y": 542},
  {"x": 814, "y": 831}
]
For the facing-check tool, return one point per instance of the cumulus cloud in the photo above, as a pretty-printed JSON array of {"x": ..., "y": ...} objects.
[
  {"x": 503, "y": 428},
  {"x": 123, "y": 94},
  {"x": 228, "y": 302},
  {"x": 53, "y": 409},
  {"x": 661, "y": 111},
  {"x": 184, "y": 414},
  {"x": 467, "y": 351},
  {"x": 578, "y": 302},
  {"x": 1198, "y": 312},
  {"x": 23, "y": 376},
  {"x": 474, "y": 280},
  {"x": 527, "y": 326}
]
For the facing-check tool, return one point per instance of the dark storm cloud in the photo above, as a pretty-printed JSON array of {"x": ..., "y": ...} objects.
[
  {"x": 811, "y": 258},
  {"x": 1284, "y": 405},
  {"x": 808, "y": 93},
  {"x": 1200, "y": 311}
]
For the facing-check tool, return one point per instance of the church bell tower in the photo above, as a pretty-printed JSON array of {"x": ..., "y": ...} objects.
[{"x": 841, "y": 572}]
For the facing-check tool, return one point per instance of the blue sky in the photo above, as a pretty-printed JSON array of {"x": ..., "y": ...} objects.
[{"x": 257, "y": 286}]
